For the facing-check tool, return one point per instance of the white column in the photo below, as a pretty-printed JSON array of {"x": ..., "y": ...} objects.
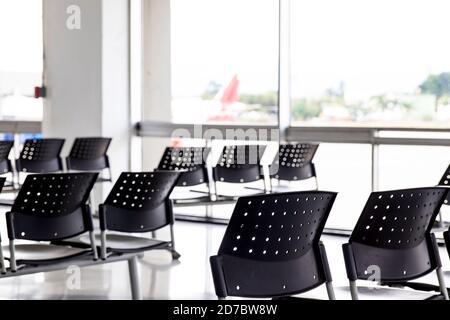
[
  {"x": 157, "y": 95},
  {"x": 86, "y": 72}
]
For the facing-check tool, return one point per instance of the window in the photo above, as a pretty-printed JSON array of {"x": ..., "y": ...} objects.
[
  {"x": 224, "y": 61},
  {"x": 382, "y": 62},
  {"x": 21, "y": 59}
]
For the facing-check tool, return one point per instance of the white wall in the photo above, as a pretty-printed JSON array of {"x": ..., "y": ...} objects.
[
  {"x": 87, "y": 75},
  {"x": 116, "y": 121},
  {"x": 72, "y": 70},
  {"x": 157, "y": 95}
]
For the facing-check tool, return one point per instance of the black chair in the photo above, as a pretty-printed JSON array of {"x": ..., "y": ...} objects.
[
  {"x": 90, "y": 154},
  {"x": 191, "y": 163},
  {"x": 272, "y": 247},
  {"x": 294, "y": 163},
  {"x": 5, "y": 162},
  {"x": 239, "y": 164},
  {"x": 445, "y": 182},
  {"x": 138, "y": 203},
  {"x": 50, "y": 207},
  {"x": 393, "y": 234},
  {"x": 40, "y": 156}
]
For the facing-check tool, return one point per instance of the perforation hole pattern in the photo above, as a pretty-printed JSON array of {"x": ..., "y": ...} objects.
[
  {"x": 186, "y": 159},
  {"x": 5, "y": 148},
  {"x": 398, "y": 219},
  {"x": 296, "y": 155},
  {"x": 143, "y": 190},
  {"x": 53, "y": 194},
  {"x": 41, "y": 149},
  {"x": 89, "y": 148},
  {"x": 445, "y": 181},
  {"x": 237, "y": 157},
  {"x": 276, "y": 227}
]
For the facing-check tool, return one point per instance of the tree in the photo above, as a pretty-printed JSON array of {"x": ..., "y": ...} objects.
[{"x": 438, "y": 85}]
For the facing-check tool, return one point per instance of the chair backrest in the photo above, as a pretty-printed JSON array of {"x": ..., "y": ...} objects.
[
  {"x": 51, "y": 207},
  {"x": 5, "y": 163},
  {"x": 40, "y": 156},
  {"x": 139, "y": 202},
  {"x": 271, "y": 245},
  {"x": 445, "y": 181},
  {"x": 239, "y": 164},
  {"x": 89, "y": 154},
  {"x": 294, "y": 162},
  {"x": 191, "y": 161},
  {"x": 393, "y": 234}
]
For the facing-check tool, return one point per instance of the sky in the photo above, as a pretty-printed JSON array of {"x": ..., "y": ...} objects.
[
  {"x": 373, "y": 46},
  {"x": 21, "y": 35}
]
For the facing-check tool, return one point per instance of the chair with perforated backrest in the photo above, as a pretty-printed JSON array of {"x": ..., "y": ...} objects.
[
  {"x": 272, "y": 247},
  {"x": 444, "y": 182},
  {"x": 40, "y": 156},
  {"x": 294, "y": 163},
  {"x": 50, "y": 208},
  {"x": 393, "y": 235},
  {"x": 90, "y": 154},
  {"x": 190, "y": 161},
  {"x": 239, "y": 164},
  {"x": 5, "y": 162},
  {"x": 138, "y": 203}
]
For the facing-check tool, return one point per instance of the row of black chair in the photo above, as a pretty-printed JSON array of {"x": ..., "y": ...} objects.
[
  {"x": 44, "y": 156},
  {"x": 52, "y": 211},
  {"x": 272, "y": 247},
  {"x": 240, "y": 164}
]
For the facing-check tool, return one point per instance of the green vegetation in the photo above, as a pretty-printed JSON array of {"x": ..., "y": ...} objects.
[
  {"x": 268, "y": 99},
  {"x": 438, "y": 85},
  {"x": 304, "y": 109}
]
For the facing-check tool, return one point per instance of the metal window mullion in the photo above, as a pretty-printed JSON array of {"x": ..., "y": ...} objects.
[{"x": 284, "y": 68}]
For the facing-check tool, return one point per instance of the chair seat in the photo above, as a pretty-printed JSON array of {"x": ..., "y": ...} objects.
[
  {"x": 239, "y": 190},
  {"x": 384, "y": 293},
  {"x": 126, "y": 243},
  {"x": 180, "y": 194},
  {"x": 41, "y": 253}
]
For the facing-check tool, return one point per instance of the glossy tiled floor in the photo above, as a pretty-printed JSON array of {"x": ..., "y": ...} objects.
[{"x": 162, "y": 278}]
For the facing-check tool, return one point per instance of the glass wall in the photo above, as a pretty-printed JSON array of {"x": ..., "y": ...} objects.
[
  {"x": 224, "y": 60},
  {"x": 352, "y": 63},
  {"x": 382, "y": 63},
  {"x": 21, "y": 59}
]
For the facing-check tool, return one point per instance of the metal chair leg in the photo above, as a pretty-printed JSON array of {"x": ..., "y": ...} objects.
[
  {"x": 175, "y": 254},
  {"x": 442, "y": 285},
  {"x": 103, "y": 244},
  {"x": 12, "y": 256},
  {"x": 93, "y": 244},
  {"x": 2, "y": 262},
  {"x": 441, "y": 220},
  {"x": 354, "y": 290},
  {"x": 134, "y": 278},
  {"x": 330, "y": 290}
]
